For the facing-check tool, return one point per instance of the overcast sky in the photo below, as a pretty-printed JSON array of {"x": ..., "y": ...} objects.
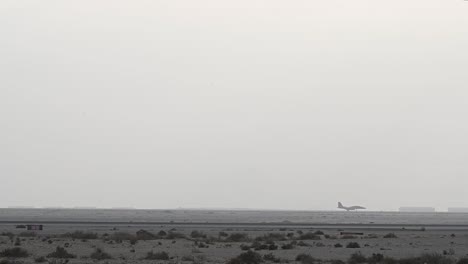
[{"x": 234, "y": 104}]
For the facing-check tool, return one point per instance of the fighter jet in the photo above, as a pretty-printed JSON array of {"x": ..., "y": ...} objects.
[{"x": 350, "y": 208}]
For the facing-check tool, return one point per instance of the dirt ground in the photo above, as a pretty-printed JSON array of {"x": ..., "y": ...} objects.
[{"x": 218, "y": 244}]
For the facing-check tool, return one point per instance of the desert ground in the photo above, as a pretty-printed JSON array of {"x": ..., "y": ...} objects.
[{"x": 222, "y": 243}]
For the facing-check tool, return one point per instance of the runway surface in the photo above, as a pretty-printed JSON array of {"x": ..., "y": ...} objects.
[{"x": 363, "y": 220}]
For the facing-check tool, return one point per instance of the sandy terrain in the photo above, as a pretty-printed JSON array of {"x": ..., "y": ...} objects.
[
  {"x": 233, "y": 216},
  {"x": 218, "y": 248}
]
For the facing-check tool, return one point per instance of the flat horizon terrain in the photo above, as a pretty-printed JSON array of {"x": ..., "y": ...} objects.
[
  {"x": 211, "y": 236},
  {"x": 232, "y": 216}
]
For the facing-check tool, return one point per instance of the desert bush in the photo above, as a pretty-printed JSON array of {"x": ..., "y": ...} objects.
[
  {"x": 200, "y": 259},
  {"x": 245, "y": 247},
  {"x": 10, "y": 261},
  {"x": 99, "y": 254},
  {"x": 8, "y": 234},
  {"x": 287, "y": 246},
  {"x": 197, "y": 234},
  {"x": 319, "y": 232},
  {"x": 450, "y": 252},
  {"x": 309, "y": 236},
  {"x": 248, "y": 257},
  {"x": 462, "y": 261},
  {"x": 238, "y": 237},
  {"x": 223, "y": 234},
  {"x": 119, "y": 237},
  {"x": 272, "y": 247},
  {"x": 337, "y": 261},
  {"x": 427, "y": 259},
  {"x": 61, "y": 253},
  {"x": 338, "y": 245},
  {"x": 353, "y": 245},
  {"x": 145, "y": 235},
  {"x": 201, "y": 245},
  {"x": 188, "y": 258},
  {"x": 41, "y": 259},
  {"x": 210, "y": 240},
  {"x": 81, "y": 235},
  {"x": 380, "y": 259},
  {"x": 375, "y": 258},
  {"x": 435, "y": 259},
  {"x": 157, "y": 256},
  {"x": 257, "y": 245},
  {"x": 356, "y": 258},
  {"x": 175, "y": 235},
  {"x": 272, "y": 258},
  {"x": 390, "y": 235},
  {"x": 306, "y": 259},
  {"x": 15, "y": 252},
  {"x": 261, "y": 246},
  {"x": 303, "y": 244},
  {"x": 319, "y": 244},
  {"x": 388, "y": 260},
  {"x": 271, "y": 237}
]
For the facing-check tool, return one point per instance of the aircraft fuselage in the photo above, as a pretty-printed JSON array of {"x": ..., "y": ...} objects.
[{"x": 350, "y": 208}]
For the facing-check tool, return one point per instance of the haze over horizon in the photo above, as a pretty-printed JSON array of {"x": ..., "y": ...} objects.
[
  {"x": 409, "y": 209},
  {"x": 234, "y": 104}
]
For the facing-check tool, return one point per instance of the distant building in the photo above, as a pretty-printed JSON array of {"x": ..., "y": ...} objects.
[
  {"x": 35, "y": 227},
  {"x": 458, "y": 210},
  {"x": 417, "y": 209}
]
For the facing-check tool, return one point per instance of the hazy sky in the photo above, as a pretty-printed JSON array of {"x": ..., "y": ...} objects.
[{"x": 236, "y": 104}]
